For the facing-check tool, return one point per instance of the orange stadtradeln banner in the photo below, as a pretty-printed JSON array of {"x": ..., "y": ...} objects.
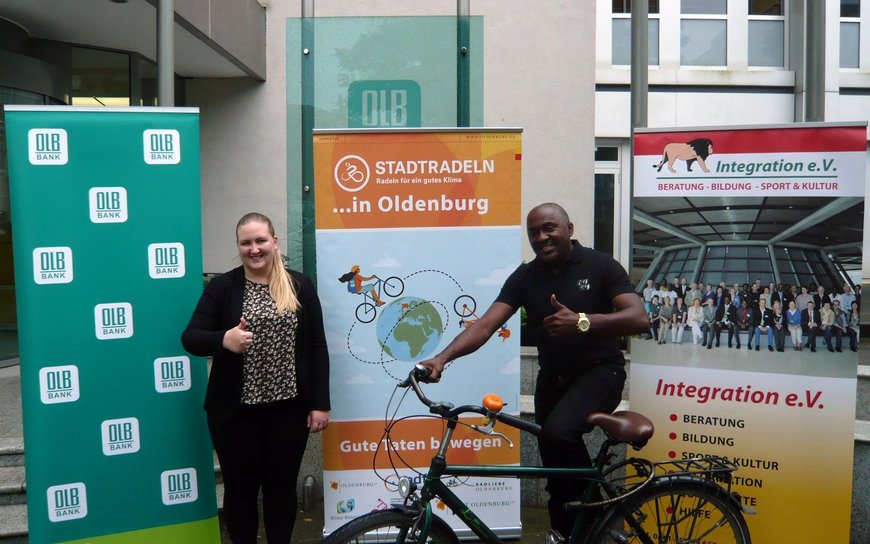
[
  {"x": 462, "y": 179},
  {"x": 362, "y": 444}
]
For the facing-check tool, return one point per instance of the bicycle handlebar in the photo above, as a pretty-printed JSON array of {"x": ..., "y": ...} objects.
[{"x": 448, "y": 411}]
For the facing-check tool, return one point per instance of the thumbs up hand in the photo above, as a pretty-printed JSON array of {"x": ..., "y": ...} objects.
[
  {"x": 562, "y": 321},
  {"x": 238, "y": 339}
]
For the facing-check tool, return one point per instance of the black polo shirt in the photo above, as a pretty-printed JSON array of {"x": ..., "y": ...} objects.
[{"x": 587, "y": 282}]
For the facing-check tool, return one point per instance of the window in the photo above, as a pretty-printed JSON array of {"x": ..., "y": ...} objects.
[
  {"x": 703, "y": 32},
  {"x": 766, "y": 33},
  {"x": 850, "y": 13},
  {"x": 603, "y": 236},
  {"x": 621, "y": 35}
]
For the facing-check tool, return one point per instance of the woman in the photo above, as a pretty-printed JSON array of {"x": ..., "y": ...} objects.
[
  {"x": 269, "y": 382},
  {"x": 678, "y": 321},
  {"x": 695, "y": 318},
  {"x": 766, "y": 296},
  {"x": 802, "y": 299},
  {"x": 793, "y": 321},
  {"x": 665, "y": 313},
  {"x": 852, "y": 329}
]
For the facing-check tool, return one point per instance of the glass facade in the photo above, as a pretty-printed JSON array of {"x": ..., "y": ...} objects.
[{"x": 744, "y": 263}]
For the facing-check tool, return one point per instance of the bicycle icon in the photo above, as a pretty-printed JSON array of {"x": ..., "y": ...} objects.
[{"x": 367, "y": 310}]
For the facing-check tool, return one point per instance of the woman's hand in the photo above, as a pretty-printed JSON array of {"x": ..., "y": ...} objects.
[
  {"x": 237, "y": 339},
  {"x": 317, "y": 420}
]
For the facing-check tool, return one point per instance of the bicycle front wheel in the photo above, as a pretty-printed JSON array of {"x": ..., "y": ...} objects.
[
  {"x": 675, "y": 512},
  {"x": 390, "y": 526}
]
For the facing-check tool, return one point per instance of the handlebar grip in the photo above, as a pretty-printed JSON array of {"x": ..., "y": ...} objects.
[
  {"x": 419, "y": 373},
  {"x": 521, "y": 424}
]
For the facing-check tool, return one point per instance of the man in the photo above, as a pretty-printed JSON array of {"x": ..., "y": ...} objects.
[
  {"x": 692, "y": 294},
  {"x": 820, "y": 297},
  {"x": 648, "y": 293},
  {"x": 846, "y": 298},
  {"x": 709, "y": 313},
  {"x": 679, "y": 287},
  {"x": 726, "y": 318},
  {"x": 761, "y": 323},
  {"x": 569, "y": 293},
  {"x": 810, "y": 322},
  {"x": 653, "y": 314}
]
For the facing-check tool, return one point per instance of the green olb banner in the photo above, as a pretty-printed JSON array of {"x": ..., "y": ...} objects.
[{"x": 107, "y": 245}]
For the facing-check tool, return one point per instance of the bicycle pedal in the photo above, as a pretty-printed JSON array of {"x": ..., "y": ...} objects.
[{"x": 555, "y": 537}]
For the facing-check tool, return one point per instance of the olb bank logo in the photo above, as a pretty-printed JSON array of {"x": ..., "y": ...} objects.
[
  {"x": 178, "y": 486},
  {"x": 108, "y": 204},
  {"x": 162, "y": 146},
  {"x": 120, "y": 436},
  {"x": 59, "y": 384},
  {"x": 47, "y": 146},
  {"x": 166, "y": 260},
  {"x": 52, "y": 265},
  {"x": 113, "y": 320},
  {"x": 67, "y": 501},
  {"x": 172, "y": 374}
]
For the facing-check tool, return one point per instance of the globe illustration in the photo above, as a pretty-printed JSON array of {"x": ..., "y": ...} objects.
[{"x": 409, "y": 328}]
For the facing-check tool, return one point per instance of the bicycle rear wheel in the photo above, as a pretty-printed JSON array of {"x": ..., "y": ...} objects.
[
  {"x": 389, "y": 526},
  {"x": 675, "y": 512}
]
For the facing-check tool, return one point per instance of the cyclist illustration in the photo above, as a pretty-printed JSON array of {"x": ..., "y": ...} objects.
[
  {"x": 371, "y": 292},
  {"x": 368, "y": 288},
  {"x": 464, "y": 306}
]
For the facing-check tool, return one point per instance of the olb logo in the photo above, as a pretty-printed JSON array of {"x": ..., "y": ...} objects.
[
  {"x": 52, "y": 265},
  {"x": 108, "y": 204},
  {"x": 120, "y": 436},
  {"x": 166, "y": 260},
  {"x": 67, "y": 501},
  {"x": 172, "y": 374},
  {"x": 113, "y": 320},
  {"x": 59, "y": 384},
  {"x": 47, "y": 146},
  {"x": 178, "y": 486},
  {"x": 162, "y": 146}
]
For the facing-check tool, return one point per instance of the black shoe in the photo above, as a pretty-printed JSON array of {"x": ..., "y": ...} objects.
[
  {"x": 738, "y": 346},
  {"x": 831, "y": 350},
  {"x": 813, "y": 349},
  {"x": 839, "y": 350},
  {"x": 854, "y": 349},
  {"x": 769, "y": 348},
  {"x": 709, "y": 346},
  {"x": 780, "y": 349},
  {"x": 717, "y": 344},
  {"x": 757, "y": 348}
]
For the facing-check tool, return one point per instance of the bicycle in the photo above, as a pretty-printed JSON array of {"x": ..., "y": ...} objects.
[
  {"x": 367, "y": 309},
  {"x": 633, "y": 501}
]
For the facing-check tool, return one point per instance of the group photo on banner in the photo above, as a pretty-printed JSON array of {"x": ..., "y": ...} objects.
[
  {"x": 743, "y": 238},
  {"x": 416, "y": 232}
]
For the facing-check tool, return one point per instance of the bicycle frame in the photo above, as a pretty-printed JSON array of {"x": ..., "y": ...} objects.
[{"x": 434, "y": 487}]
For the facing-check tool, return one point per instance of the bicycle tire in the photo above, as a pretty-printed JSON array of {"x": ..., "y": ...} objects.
[
  {"x": 464, "y": 306},
  {"x": 366, "y": 312},
  {"x": 675, "y": 511},
  {"x": 387, "y": 526},
  {"x": 393, "y": 286}
]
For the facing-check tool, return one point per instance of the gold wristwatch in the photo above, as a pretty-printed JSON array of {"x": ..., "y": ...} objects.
[{"x": 582, "y": 323}]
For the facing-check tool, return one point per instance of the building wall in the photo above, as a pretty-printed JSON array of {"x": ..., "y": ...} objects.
[{"x": 538, "y": 75}]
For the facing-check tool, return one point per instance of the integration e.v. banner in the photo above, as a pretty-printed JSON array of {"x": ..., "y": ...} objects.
[
  {"x": 784, "y": 416},
  {"x": 106, "y": 237},
  {"x": 416, "y": 233}
]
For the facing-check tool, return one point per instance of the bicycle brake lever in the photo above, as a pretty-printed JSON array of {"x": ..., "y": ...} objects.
[{"x": 489, "y": 431}]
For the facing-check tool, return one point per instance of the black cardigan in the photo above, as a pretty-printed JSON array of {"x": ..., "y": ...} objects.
[{"x": 219, "y": 310}]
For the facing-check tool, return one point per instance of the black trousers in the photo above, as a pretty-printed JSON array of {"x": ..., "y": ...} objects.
[
  {"x": 562, "y": 404},
  {"x": 260, "y": 447}
]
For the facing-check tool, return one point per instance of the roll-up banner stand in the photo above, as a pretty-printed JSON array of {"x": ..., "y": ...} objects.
[
  {"x": 787, "y": 419},
  {"x": 435, "y": 216},
  {"x": 107, "y": 246}
]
